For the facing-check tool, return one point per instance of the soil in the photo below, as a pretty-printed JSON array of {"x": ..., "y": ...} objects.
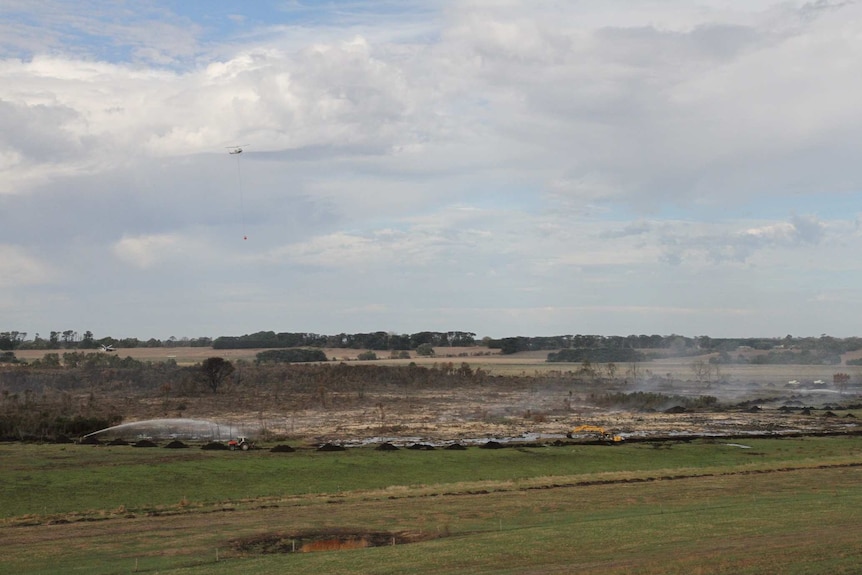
[
  {"x": 145, "y": 443},
  {"x": 176, "y": 445},
  {"x": 323, "y": 540},
  {"x": 475, "y": 414}
]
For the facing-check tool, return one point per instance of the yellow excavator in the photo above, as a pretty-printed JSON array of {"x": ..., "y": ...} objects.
[{"x": 601, "y": 431}]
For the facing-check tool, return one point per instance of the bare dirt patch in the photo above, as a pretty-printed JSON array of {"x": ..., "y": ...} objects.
[{"x": 323, "y": 540}]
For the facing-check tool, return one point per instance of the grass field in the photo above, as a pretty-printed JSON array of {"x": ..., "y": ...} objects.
[{"x": 773, "y": 506}]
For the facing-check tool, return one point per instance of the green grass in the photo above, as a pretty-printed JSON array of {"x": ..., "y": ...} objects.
[
  {"x": 768, "y": 509},
  {"x": 50, "y": 479}
]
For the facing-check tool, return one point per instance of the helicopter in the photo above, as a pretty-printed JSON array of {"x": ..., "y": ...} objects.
[{"x": 235, "y": 151}]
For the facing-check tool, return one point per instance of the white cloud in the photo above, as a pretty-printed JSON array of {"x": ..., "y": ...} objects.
[
  {"x": 148, "y": 251},
  {"x": 516, "y": 156},
  {"x": 21, "y": 269}
]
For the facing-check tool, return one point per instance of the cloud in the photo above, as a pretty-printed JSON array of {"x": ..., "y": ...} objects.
[
  {"x": 514, "y": 156},
  {"x": 148, "y": 251},
  {"x": 637, "y": 112},
  {"x": 21, "y": 269},
  {"x": 681, "y": 242},
  {"x": 89, "y": 29}
]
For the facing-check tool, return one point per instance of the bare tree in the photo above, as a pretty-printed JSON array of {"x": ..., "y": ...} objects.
[
  {"x": 611, "y": 370},
  {"x": 700, "y": 369},
  {"x": 703, "y": 372},
  {"x": 214, "y": 370},
  {"x": 634, "y": 372}
]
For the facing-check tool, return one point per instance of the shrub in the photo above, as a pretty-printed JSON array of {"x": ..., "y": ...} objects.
[{"x": 291, "y": 355}]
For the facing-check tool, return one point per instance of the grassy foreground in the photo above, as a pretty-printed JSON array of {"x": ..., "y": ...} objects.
[{"x": 777, "y": 506}]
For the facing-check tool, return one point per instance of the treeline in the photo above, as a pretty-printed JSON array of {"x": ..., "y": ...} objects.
[
  {"x": 378, "y": 340},
  {"x": 822, "y": 344},
  {"x": 290, "y": 355},
  {"x": 677, "y": 345},
  {"x": 508, "y": 345},
  {"x": 681, "y": 345},
  {"x": 70, "y": 339},
  {"x": 783, "y": 357}
]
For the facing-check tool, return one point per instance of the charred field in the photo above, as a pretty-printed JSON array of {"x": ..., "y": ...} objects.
[{"x": 465, "y": 396}]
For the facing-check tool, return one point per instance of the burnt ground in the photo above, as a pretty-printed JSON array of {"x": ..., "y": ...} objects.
[
  {"x": 520, "y": 397},
  {"x": 522, "y": 409}
]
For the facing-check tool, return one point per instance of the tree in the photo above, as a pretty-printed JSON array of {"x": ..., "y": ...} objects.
[
  {"x": 700, "y": 370},
  {"x": 587, "y": 368},
  {"x": 425, "y": 350},
  {"x": 633, "y": 372},
  {"x": 509, "y": 345},
  {"x": 6, "y": 342},
  {"x": 214, "y": 370},
  {"x": 88, "y": 342},
  {"x": 291, "y": 355},
  {"x": 841, "y": 381}
]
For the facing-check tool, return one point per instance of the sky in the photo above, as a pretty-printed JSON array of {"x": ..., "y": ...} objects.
[{"x": 506, "y": 168}]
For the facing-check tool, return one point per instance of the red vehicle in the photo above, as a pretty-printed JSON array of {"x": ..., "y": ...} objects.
[{"x": 240, "y": 443}]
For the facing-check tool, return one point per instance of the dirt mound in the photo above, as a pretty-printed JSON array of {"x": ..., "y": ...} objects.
[
  {"x": 386, "y": 447},
  {"x": 456, "y": 447},
  {"x": 492, "y": 445},
  {"x": 676, "y": 409},
  {"x": 329, "y": 540},
  {"x": 214, "y": 446},
  {"x": 144, "y": 443},
  {"x": 89, "y": 441},
  {"x": 420, "y": 446},
  {"x": 331, "y": 447},
  {"x": 176, "y": 444},
  {"x": 118, "y": 441},
  {"x": 282, "y": 449}
]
